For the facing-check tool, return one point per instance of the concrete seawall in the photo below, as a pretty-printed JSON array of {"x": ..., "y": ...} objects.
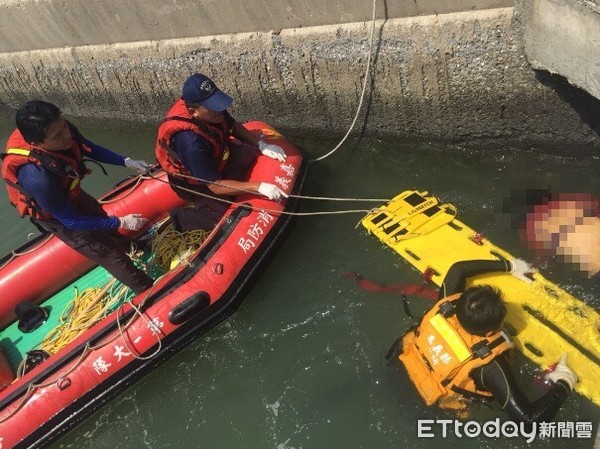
[
  {"x": 461, "y": 77},
  {"x": 74, "y": 23},
  {"x": 563, "y": 36}
]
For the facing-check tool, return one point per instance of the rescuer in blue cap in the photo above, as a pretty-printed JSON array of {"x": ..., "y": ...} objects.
[{"x": 194, "y": 148}]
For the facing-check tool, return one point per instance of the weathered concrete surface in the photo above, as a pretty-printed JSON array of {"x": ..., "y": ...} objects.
[
  {"x": 459, "y": 77},
  {"x": 38, "y": 24},
  {"x": 563, "y": 36}
]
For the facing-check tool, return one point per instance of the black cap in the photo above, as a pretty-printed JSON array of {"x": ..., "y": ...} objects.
[
  {"x": 30, "y": 316},
  {"x": 200, "y": 89}
]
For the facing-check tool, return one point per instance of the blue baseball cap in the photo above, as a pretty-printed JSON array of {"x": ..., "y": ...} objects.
[{"x": 200, "y": 89}]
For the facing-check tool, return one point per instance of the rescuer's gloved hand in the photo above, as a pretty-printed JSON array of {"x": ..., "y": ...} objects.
[
  {"x": 272, "y": 151},
  {"x": 133, "y": 222},
  {"x": 562, "y": 372},
  {"x": 138, "y": 166},
  {"x": 271, "y": 191},
  {"x": 519, "y": 269}
]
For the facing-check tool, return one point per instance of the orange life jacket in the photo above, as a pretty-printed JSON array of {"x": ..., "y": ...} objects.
[
  {"x": 179, "y": 119},
  {"x": 69, "y": 168},
  {"x": 440, "y": 355}
]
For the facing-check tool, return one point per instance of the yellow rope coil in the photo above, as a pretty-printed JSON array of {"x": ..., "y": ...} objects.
[
  {"x": 170, "y": 245},
  {"x": 91, "y": 305},
  {"x": 85, "y": 310}
]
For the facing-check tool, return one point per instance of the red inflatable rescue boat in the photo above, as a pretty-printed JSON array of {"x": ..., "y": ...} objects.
[{"x": 53, "y": 376}]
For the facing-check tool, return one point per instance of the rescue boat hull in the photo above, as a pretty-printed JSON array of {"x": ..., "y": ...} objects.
[{"x": 190, "y": 300}]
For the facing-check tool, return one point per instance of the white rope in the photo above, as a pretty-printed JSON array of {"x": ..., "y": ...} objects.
[
  {"x": 125, "y": 193},
  {"x": 242, "y": 190},
  {"x": 329, "y": 198},
  {"x": 364, "y": 87},
  {"x": 274, "y": 211},
  {"x": 16, "y": 254},
  {"x": 154, "y": 329}
]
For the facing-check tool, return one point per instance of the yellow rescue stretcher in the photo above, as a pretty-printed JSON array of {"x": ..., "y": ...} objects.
[{"x": 544, "y": 320}]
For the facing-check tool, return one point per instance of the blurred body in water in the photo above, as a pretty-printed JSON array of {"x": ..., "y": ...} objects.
[{"x": 563, "y": 225}]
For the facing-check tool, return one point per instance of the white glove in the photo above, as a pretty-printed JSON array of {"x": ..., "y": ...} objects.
[
  {"x": 519, "y": 268},
  {"x": 138, "y": 166},
  {"x": 133, "y": 222},
  {"x": 271, "y": 191},
  {"x": 562, "y": 372},
  {"x": 272, "y": 151}
]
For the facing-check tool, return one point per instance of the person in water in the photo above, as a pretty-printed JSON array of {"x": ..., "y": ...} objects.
[
  {"x": 559, "y": 225},
  {"x": 459, "y": 351},
  {"x": 42, "y": 168},
  {"x": 194, "y": 148}
]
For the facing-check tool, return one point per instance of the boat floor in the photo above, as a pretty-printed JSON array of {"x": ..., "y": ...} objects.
[{"x": 16, "y": 344}]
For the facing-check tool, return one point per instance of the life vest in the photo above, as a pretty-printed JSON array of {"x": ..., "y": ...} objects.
[
  {"x": 69, "y": 168},
  {"x": 179, "y": 119},
  {"x": 439, "y": 356}
]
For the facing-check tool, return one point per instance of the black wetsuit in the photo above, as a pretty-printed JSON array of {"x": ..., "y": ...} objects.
[{"x": 497, "y": 377}]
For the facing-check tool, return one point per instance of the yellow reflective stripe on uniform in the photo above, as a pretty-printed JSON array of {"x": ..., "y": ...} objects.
[
  {"x": 19, "y": 151},
  {"x": 225, "y": 154},
  {"x": 74, "y": 184},
  {"x": 457, "y": 345}
]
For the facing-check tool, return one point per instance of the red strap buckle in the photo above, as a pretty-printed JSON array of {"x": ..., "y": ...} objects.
[
  {"x": 428, "y": 274},
  {"x": 477, "y": 238}
]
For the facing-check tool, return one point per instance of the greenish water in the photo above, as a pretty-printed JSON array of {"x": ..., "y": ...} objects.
[{"x": 301, "y": 364}]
